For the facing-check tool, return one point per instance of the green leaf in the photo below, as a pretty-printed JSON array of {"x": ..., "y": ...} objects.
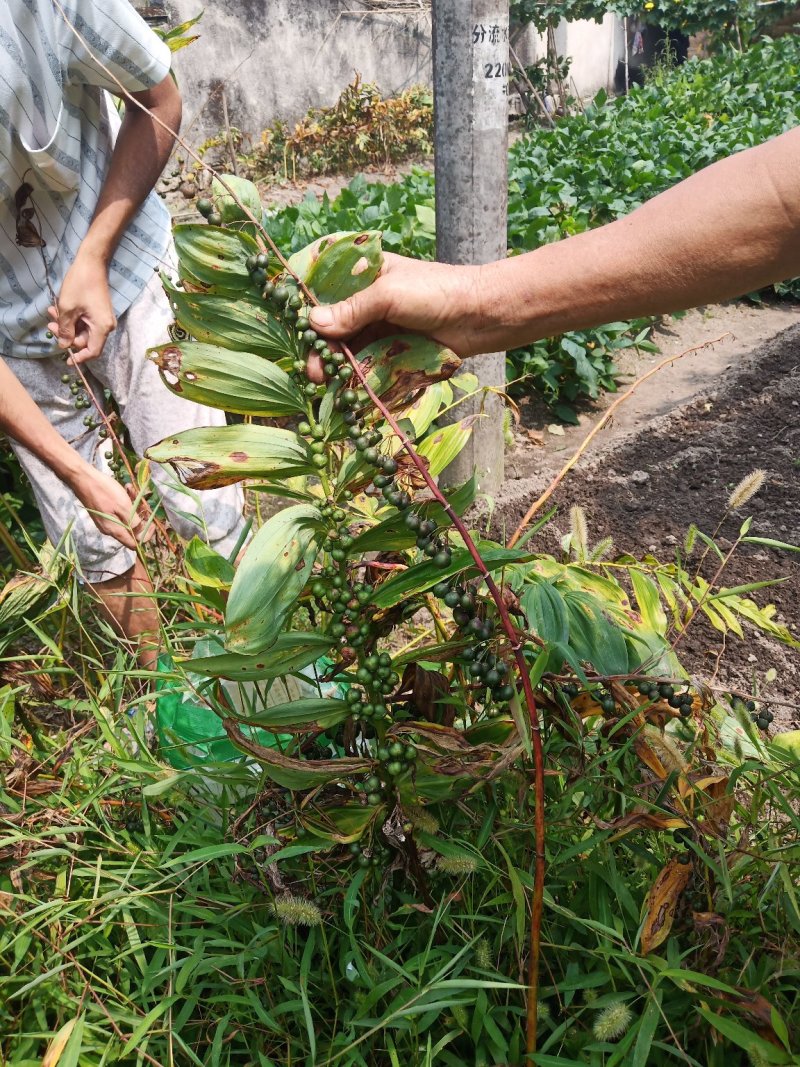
[
  {"x": 207, "y": 567},
  {"x": 745, "y": 1038},
  {"x": 243, "y": 324},
  {"x": 290, "y": 653},
  {"x": 214, "y": 255},
  {"x": 270, "y": 577},
  {"x": 311, "y": 711},
  {"x": 442, "y": 446},
  {"x": 243, "y": 190},
  {"x": 546, "y": 611},
  {"x": 209, "y": 456},
  {"x": 425, "y": 575},
  {"x": 392, "y": 534},
  {"x": 343, "y": 824},
  {"x": 344, "y": 265},
  {"x": 648, "y": 601},
  {"x": 241, "y": 382},
  {"x": 594, "y": 639}
]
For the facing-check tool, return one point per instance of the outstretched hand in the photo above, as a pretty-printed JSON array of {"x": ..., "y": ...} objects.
[
  {"x": 442, "y": 301},
  {"x": 84, "y": 316}
]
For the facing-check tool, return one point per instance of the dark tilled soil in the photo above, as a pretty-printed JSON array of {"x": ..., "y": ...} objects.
[{"x": 646, "y": 490}]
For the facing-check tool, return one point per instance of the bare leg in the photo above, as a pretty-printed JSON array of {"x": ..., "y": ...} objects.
[{"x": 126, "y": 603}]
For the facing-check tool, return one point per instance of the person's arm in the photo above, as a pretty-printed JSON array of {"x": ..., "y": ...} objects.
[
  {"x": 107, "y": 502},
  {"x": 728, "y": 230},
  {"x": 85, "y": 317}
]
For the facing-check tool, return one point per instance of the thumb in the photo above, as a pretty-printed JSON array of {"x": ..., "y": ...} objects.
[
  {"x": 351, "y": 316},
  {"x": 65, "y": 331}
]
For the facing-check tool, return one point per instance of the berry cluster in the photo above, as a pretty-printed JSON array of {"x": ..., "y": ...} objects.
[
  {"x": 429, "y": 541},
  {"x": 763, "y": 719},
  {"x": 208, "y": 211},
  {"x": 379, "y": 856},
  {"x": 682, "y": 702}
]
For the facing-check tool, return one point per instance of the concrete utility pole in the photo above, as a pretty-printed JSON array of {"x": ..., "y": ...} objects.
[{"x": 470, "y": 80}]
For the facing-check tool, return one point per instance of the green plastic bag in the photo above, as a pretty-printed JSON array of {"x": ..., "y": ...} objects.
[{"x": 190, "y": 734}]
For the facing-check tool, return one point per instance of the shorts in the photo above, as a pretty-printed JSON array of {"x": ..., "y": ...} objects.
[{"x": 150, "y": 412}]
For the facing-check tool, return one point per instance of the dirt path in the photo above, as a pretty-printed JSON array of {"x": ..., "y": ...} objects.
[{"x": 671, "y": 458}]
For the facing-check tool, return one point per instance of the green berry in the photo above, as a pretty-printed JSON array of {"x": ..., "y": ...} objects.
[{"x": 205, "y": 207}]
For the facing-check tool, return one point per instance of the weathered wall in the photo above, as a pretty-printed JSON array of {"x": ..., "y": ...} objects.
[
  {"x": 276, "y": 58},
  {"x": 595, "y": 48}
]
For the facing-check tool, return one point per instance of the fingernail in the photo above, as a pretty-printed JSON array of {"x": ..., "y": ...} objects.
[{"x": 322, "y": 316}]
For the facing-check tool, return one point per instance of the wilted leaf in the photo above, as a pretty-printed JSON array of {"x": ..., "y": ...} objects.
[
  {"x": 400, "y": 366},
  {"x": 662, "y": 902},
  {"x": 209, "y": 456},
  {"x": 295, "y": 774},
  {"x": 270, "y": 577},
  {"x": 69, "y": 1036},
  {"x": 429, "y": 692},
  {"x": 241, "y": 382}
]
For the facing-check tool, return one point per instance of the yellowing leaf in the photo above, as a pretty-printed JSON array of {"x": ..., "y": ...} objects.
[{"x": 662, "y": 901}]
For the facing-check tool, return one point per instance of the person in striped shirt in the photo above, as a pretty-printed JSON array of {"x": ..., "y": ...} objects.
[{"x": 82, "y": 238}]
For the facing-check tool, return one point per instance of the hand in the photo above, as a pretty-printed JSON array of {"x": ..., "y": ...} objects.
[
  {"x": 84, "y": 317},
  {"x": 111, "y": 507},
  {"x": 443, "y": 301}
]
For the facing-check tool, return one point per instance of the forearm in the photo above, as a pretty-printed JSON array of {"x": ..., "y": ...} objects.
[
  {"x": 728, "y": 230},
  {"x": 140, "y": 154},
  {"x": 21, "y": 419}
]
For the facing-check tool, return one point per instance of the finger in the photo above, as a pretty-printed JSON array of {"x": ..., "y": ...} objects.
[
  {"x": 353, "y": 315},
  {"x": 65, "y": 328},
  {"x": 315, "y": 369},
  {"x": 97, "y": 334}
]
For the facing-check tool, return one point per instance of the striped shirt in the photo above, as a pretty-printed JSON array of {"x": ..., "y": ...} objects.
[{"x": 57, "y": 132}]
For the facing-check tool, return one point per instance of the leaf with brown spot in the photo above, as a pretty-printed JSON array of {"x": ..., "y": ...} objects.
[{"x": 662, "y": 902}]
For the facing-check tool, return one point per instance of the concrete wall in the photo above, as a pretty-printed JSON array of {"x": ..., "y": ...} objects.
[{"x": 277, "y": 58}]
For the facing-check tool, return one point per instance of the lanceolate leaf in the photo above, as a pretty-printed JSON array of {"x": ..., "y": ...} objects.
[
  {"x": 290, "y": 653},
  {"x": 392, "y": 534},
  {"x": 271, "y": 576},
  {"x": 425, "y": 575},
  {"x": 442, "y": 446},
  {"x": 243, "y": 323},
  {"x": 311, "y": 712},
  {"x": 214, "y": 255},
  {"x": 242, "y": 382},
  {"x": 209, "y": 456}
]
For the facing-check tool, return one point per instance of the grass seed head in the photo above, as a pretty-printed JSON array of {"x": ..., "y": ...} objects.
[
  {"x": 296, "y": 911},
  {"x": 612, "y": 1022},
  {"x": 579, "y": 531},
  {"x": 463, "y": 864},
  {"x": 746, "y": 489}
]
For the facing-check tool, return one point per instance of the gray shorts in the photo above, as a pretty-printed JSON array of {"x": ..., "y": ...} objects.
[{"x": 150, "y": 412}]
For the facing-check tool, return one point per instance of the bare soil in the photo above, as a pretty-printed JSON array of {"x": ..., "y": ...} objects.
[{"x": 675, "y": 451}]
